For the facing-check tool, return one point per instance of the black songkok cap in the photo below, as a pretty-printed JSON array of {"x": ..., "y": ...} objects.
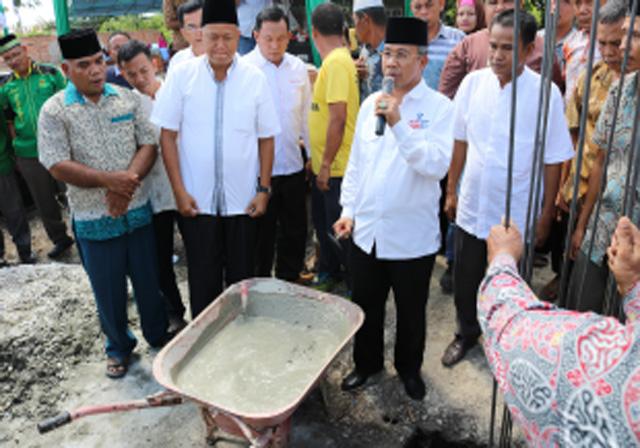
[
  {"x": 8, "y": 42},
  {"x": 407, "y": 31},
  {"x": 219, "y": 11},
  {"x": 78, "y": 44}
]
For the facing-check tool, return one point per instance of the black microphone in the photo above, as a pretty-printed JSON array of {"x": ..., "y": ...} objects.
[{"x": 387, "y": 87}]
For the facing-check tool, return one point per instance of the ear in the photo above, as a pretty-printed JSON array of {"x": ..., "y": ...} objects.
[
  {"x": 528, "y": 50},
  {"x": 65, "y": 68},
  {"x": 424, "y": 59},
  {"x": 255, "y": 34}
]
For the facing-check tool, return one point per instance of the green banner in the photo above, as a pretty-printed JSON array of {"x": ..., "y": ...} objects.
[
  {"x": 407, "y": 8},
  {"x": 61, "y": 11},
  {"x": 311, "y": 5}
]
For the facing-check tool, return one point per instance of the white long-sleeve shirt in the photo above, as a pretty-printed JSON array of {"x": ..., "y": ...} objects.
[
  {"x": 291, "y": 92},
  {"x": 391, "y": 187}
]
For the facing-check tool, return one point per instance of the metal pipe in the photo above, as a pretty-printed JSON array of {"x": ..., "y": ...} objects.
[{"x": 580, "y": 150}]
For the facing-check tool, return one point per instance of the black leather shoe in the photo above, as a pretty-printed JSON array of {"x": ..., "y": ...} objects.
[
  {"x": 28, "y": 258},
  {"x": 354, "y": 380},
  {"x": 414, "y": 386},
  {"x": 60, "y": 248},
  {"x": 456, "y": 350}
]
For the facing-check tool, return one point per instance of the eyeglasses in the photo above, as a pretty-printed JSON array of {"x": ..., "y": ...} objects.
[
  {"x": 400, "y": 55},
  {"x": 192, "y": 27}
]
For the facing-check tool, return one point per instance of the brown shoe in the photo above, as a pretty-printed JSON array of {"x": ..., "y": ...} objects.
[{"x": 455, "y": 351}]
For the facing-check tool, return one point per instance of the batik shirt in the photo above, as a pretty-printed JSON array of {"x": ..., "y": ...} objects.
[
  {"x": 613, "y": 196},
  {"x": 569, "y": 378},
  {"x": 576, "y": 55},
  {"x": 104, "y": 136},
  {"x": 373, "y": 83}
]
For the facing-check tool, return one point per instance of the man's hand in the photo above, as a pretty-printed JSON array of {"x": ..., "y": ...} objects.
[
  {"x": 122, "y": 182},
  {"x": 307, "y": 170},
  {"x": 451, "y": 206},
  {"x": 624, "y": 255},
  {"x": 503, "y": 240},
  {"x": 390, "y": 109},
  {"x": 186, "y": 204},
  {"x": 322, "y": 179},
  {"x": 561, "y": 203},
  {"x": 362, "y": 68},
  {"x": 258, "y": 205},
  {"x": 117, "y": 204},
  {"x": 343, "y": 227},
  {"x": 576, "y": 242}
]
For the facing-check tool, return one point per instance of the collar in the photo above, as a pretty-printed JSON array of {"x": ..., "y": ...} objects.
[
  {"x": 418, "y": 90},
  {"x": 234, "y": 63},
  {"x": 73, "y": 96},
  {"x": 259, "y": 58},
  {"x": 31, "y": 68},
  {"x": 522, "y": 77}
]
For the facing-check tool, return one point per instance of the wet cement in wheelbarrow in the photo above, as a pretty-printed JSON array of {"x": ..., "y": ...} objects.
[{"x": 264, "y": 360}]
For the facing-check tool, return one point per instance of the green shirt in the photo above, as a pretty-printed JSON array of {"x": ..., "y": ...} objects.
[
  {"x": 6, "y": 156},
  {"x": 23, "y": 97}
]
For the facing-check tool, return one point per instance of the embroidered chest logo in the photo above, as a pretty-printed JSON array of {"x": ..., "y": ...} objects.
[{"x": 419, "y": 122}]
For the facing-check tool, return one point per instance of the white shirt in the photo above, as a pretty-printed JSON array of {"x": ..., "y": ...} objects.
[
  {"x": 160, "y": 192},
  {"x": 291, "y": 92},
  {"x": 391, "y": 186},
  {"x": 218, "y": 125},
  {"x": 185, "y": 54},
  {"x": 247, "y": 12},
  {"x": 482, "y": 119}
]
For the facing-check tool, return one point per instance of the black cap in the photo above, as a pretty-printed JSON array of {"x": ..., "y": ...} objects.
[
  {"x": 406, "y": 30},
  {"x": 8, "y": 42},
  {"x": 219, "y": 11},
  {"x": 78, "y": 44}
]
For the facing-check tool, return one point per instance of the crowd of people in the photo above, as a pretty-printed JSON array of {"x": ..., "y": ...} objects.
[{"x": 404, "y": 145}]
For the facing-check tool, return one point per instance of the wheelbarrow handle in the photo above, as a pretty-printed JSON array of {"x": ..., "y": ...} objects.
[{"x": 54, "y": 422}]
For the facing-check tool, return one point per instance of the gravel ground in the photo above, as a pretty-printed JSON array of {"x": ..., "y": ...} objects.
[{"x": 51, "y": 359}]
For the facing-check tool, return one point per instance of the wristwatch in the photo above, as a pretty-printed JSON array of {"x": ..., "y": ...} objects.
[{"x": 262, "y": 189}]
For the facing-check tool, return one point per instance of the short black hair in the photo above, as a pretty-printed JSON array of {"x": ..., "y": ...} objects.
[
  {"x": 187, "y": 8},
  {"x": 132, "y": 49},
  {"x": 377, "y": 15},
  {"x": 118, "y": 33},
  {"x": 328, "y": 19},
  {"x": 528, "y": 25},
  {"x": 271, "y": 14}
]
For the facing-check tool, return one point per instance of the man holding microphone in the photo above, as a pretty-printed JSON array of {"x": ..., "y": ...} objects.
[{"x": 391, "y": 192}]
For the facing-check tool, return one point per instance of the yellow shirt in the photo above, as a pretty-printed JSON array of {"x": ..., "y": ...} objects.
[
  {"x": 337, "y": 82},
  {"x": 601, "y": 80}
]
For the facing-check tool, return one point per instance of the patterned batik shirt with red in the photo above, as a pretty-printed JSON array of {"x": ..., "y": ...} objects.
[
  {"x": 576, "y": 55},
  {"x": 569, "y": 378}
]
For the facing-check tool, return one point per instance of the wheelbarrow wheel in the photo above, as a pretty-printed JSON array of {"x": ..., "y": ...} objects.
[{"x": 280, "y": 436}]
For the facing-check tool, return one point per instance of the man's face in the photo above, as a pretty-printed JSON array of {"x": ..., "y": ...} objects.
[
  {"x": 17, "y": 59},
  {"x": 221, "y": 43},
  {"x": 583, "y": 10},
  {"x": 192, "y": 31},
  {"x": 88, "y": 74},
  {"x": 428, "y": 11},
  {"x": 501, "y": 51},
  {"x": 362, "y": 24},
  {"x": 403, "y": 63},
  {"x": 634, "y": 46},
  {"x": 272, "y": 40},
  {"x": 115, "y": 43},
  {"x": 139, "y": 72},
  {"x": 610, "y": 37},
  {"x": 567, "y": 13},
  {"x": 494, "y": 7}
]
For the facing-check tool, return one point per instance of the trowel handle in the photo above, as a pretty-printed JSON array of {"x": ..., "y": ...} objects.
[{"x": 54, "y": 422}]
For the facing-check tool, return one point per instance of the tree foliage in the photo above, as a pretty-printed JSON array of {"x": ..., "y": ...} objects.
[{"x": 134, "y": 23}]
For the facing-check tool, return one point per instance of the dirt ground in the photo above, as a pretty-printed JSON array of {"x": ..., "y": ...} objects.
[{"x": 51, "y": 359}]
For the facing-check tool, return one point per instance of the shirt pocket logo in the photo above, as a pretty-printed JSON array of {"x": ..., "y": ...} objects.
[{"x": 121, "y": 118}]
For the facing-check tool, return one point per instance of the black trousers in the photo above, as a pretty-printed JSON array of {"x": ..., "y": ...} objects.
[
  {"x": 164, "y": 227},
  {"x": 409, "y": 279},
  {"x": 468, "y": 271},
  {"x": 220, "y": 250},
  {"x": 283, "y": 229}
]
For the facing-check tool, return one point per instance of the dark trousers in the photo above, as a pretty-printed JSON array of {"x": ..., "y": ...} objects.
[
  {"x": 12, "y": 210},
  {"x": 468, "y": 271},
  {"x": 325, "y": 211},
  {"x": 164, "y": 227},
  {"x": 220, "y": 250},
  {"x": 587, "y": 289},
  {"x": 409, "y": 279},
  {"x": 108, "y": 264},
  {"x": 43, "y": 189},
  {"x": 283, "y": 228}
]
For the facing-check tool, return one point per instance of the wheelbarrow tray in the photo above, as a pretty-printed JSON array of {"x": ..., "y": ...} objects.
[{"x": 225, "y": 309}]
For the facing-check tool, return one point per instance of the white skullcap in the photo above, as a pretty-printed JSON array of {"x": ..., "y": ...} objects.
[{"x": 359, "y": 5}]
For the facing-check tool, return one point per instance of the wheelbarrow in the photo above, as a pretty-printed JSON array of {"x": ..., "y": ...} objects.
[{"x": 268, "y": 426}]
